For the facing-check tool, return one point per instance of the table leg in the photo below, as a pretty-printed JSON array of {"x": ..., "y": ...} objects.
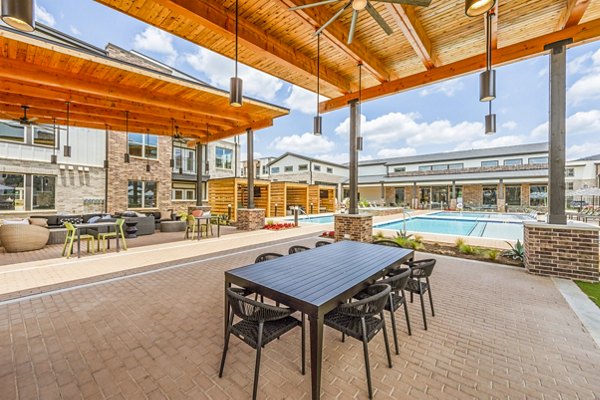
[
  {"x": 78, "y": 243},
  {"x": 226, "y": 313},
  {"x": 219, "y": 227},
  {"x": 117, "y": 237},
  {"x": 316, "y": 355},
  {"x": 198, "y": 227}
]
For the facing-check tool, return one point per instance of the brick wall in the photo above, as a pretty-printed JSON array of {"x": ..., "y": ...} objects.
[
  {"x": 120, "y": 172},
  {"x": 358, "y": 226},
  {"x": 250, "y": 219},
  {"x": 566, "y": 251},
  {"x": 472, "y": 194},
  {"x": 525, "y": 194}
]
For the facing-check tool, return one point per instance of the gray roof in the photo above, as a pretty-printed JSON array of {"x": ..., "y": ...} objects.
[
  {"x": 307, "y": 159},
  {"x": 463, "y": 154},
  {"x": 527, "y": 173},
  {"x": 595, "y": 157}
]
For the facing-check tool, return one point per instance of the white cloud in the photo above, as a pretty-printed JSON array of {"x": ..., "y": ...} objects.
[
  {"x": 509, "y": 125},
  {"x": 302, "y": 100},
  {"x": 219, "y": 70},
  {"x": 542, "y": 73},
  {"x": 401, "y": 152},
  {"x": 582, "y": 150},
  {"x": 306, "y": 143},
  {"x": 587, "y": 88},
  {"x": 577, "y": 65},
  {"x": 448, "y": 88},
  {"x": 156, "y": 41},
  {"x": 540, "y": 131},
  {"x": 394, "y": 127},
  {"x": 493, "y": 141},
  {"x": 42, "y": 15},
  {"x": 580, "y": 123},
  {"x": 75, "y": 31}
]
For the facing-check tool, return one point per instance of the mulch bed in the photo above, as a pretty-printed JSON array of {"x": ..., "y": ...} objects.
[{"x": 452, "y": 251}]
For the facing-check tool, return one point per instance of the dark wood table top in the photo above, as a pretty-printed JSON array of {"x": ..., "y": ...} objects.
[{"x": 317, "y": 280}]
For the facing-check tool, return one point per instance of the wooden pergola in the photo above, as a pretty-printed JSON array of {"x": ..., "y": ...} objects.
[{"x": 45, "y": 74}]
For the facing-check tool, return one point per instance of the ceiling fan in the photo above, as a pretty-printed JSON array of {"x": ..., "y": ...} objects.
[
  {"x": 359, "y": 5},
  {"x": 22, "y": 120}
]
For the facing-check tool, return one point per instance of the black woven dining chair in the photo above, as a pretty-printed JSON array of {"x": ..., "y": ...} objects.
[
  {"x": 397, "y": 279},
  {"x": 421, "y": 269},
  {"x": 297, "y": 249},
  {"x": 259, "y": 325},
  {"x": 362, "y": 320},
  {"x": 267, "y": 257},
  {"x": 322, "y": 243},
  {"x": 386, "y": 242}
]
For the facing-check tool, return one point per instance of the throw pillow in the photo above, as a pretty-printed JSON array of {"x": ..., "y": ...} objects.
[
  {"x": 43, "y": 222},
  {"x": 106, "y": 216},
  {"x": 93, "y": 219},
  {"x": 197, "y": 213},
  {"x": 206, "y": 214},
  {"x": 129, "y": 214},
  {"x": 73, "y": 220},
  {"x": 15, "y": 221},
  {"x": 139, "y": 214}
]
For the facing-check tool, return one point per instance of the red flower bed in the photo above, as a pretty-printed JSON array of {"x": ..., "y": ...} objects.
[
  {"x": 329, "y": 234},
  {"x": 278, "y": 227}
]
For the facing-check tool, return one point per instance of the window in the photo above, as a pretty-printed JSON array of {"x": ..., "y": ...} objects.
[
  {"x": 513, "y": 195},
  {"x": 43, "y": 191},
  {"x": 317, "y": 167},
  {"x": 12, "y": 133},
  {"x": 439, "y": 167},
  {"x": 141, "y": 194},
  {"x": 538, "y": 160},
  {"x": 12, "y": 192},
  {"x": 265, "y": 170},
  {"x": 489, "y": 163},
  {"x": 399, "y": 194},
  {"x": 274, "y": 170},
  {"x": 185, "y": 159},
  {"x": 43, "y": 137},
  {"x": 569, "y": 172},
  {"x": 288, "y": 168},
  {"x": 184, "y": 191},
  {"x": 303, "y": 167},
  {"x": 538, "y": 195},
  {"x": 424, "y": 167},
  {"x": 513, "y": 161},
  {"x": 330, "y": 170},
  {"x": 569, "y": 185},
  {"x": 141, "y": 145},
  {"x": 456, "y": 166},
  {"x": 223, "y": 157},
  {"x": 490, "y": 197},
  {"x": 399, "y": 169}
]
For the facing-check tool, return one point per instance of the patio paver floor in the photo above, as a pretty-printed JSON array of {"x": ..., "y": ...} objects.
[{"x": 498, "y": 333}]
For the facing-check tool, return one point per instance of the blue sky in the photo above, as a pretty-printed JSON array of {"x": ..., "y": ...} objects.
[{"x": 442, "y": 117}]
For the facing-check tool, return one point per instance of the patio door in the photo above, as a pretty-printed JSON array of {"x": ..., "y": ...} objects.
[{"x": 490, "y": 195}]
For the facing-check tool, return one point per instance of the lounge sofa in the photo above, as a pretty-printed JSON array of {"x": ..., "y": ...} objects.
[{"x": 23, "y": 237}]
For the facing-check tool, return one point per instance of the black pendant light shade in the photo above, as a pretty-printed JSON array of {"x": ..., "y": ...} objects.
[
  {"x": 474, "y": 8},
  {"x": 126, "y": 158},
  {"x": 67, "y": 151},
  {"x": 235, "y": 92},
  {"x": 53, "y": 159},
  {"x": 171, "y": 163},
  {"x": 147, "y": 167},
  {"x": 487, "y": 85},
  {"x": 67, "y": 148},
  {"x": 19, "y": 14},
  {"x": 490, "y": 124},
  {"x": 318, "y": 126}
]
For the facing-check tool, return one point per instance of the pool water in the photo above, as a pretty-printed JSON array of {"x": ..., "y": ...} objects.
[
  {"x": 325, "y": 219},
  {"x": 482, "y": 215}
]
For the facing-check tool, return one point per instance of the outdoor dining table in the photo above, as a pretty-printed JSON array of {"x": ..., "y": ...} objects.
[
  {"x": 207, "y": 218},
  {"x": 93, "y": 225},
  {"x": 316, "y": 281}
]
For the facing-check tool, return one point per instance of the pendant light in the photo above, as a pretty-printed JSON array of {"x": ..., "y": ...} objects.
[
  {"x": 54, "y": 157},
  {"x": 487, "y": 79},
  {"x": 172, "y": 160},
  {"x": 180, "y": 153},
  {"x": 235, "y": 93},
  {"x": 359, "y": 138},
  {"x": 147, "y": 141},
  {"x": 474, "y": 8},
  {"x": 126, "y": 157},
  {"x": 67, "y": 148},
  {"x": 490, "y": 121},
  {"x": 318, "y": 124},
  {"x": 19, "y": 14}
]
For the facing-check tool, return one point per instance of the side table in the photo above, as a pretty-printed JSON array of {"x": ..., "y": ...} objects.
[{"x": 131, "y": 229}]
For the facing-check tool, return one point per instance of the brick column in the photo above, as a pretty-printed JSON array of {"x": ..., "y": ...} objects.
[
  {"x": 567, "y": 251},
  {"x": 357, "y": 227},
  {"x": 250, "y": 219}
]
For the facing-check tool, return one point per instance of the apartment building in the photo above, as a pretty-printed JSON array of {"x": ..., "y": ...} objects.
[
  {"x": 291, "y": 167},
  {"x": 261, "y": 168}
]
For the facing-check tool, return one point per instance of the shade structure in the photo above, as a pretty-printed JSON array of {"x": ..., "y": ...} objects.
[
  {"x": 429, "y": 44},
  {"x": 104, "y": 92}
]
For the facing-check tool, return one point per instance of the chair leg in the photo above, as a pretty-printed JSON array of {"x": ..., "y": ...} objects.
[
  {"x": 423, "y": 310},
  {"x": 366, "y": 354},
  {"x": 393, "y": 317},
  {"x": 430, "y": 298},
  {"x": 70, "y": 247},
  {"x": 343, "y": 337},
  {"x": 411, "y": 297},
  {"x": 387, "y": 342},
  {"x": 406, "y": 314},
  {"x": 124, "y": 242},
  {"x": 303, "y": 344},
  {"x": 226, "y": 344},
  {"x": 257, "y": 367},
  {"x": 65, "y": 245}
]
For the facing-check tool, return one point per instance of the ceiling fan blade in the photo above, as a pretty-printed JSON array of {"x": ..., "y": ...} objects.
[
  {"x": 352, "y": 26},
  {"x": 319, "y": 3},
  {"x": 419, "y": 3},
  {"x": 32, "y": 119},
  {"x": 377, "y": 17},
  {"x": 337, "y": 14},
  {"x": 10, "y": 125}
]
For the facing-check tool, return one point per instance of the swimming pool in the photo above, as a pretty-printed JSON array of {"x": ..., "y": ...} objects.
[
  {"x": 325, "y": 219},
  {"x": 482, "y": 215}
]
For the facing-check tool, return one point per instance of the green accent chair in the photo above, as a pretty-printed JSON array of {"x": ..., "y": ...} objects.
[
  {"x": 71, "y": 235},
  {"x": 190, "y": 226},
  {"x": 106, "y": 236}
]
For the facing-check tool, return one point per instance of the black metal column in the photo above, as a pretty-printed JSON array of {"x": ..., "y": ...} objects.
[
  {"x": 353, "y": 190},
  {"x": 199, "y": 174},
  {"x": 250, "y": 164},
  {"x": 557, "y": 131}
]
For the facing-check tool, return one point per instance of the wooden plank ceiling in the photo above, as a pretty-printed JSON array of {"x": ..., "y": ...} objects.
[
  {"x": 45, "y": 75},
  {"x": 428, "y": 44}
]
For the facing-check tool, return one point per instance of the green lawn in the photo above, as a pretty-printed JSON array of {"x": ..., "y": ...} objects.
[{"x": 591, "y": 289}]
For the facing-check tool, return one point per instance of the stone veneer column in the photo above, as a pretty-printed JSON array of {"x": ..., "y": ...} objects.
[
  {"x": 357, "y": 227},
  {"x": 250, "y": 219},
  {"x": 567, "y": 251}
]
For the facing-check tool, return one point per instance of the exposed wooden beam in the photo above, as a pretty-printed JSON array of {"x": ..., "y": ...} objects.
[
  {"x": 410, "y": 25},
  {"x": 232, "y": 132},
  {"x": 337, "y": 34},
  {"x": 580, "y": 34},
  {"x": 222, "y": 21},
  {"x": 572, "y": 13}
]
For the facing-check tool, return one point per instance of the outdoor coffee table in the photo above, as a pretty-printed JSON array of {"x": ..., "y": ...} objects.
[
  {"x": 92, "y": 225},
  {"x": 316, "y": 281}
]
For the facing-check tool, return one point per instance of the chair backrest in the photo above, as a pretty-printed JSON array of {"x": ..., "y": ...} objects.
[
  {"x": 69, "y": 226},
  {"x": 398, "y": 279},
  {"x": 297, "y": 249},
  {"x": 386, "y": 242},
  {"x": 254, "y": 311},
  {"x": 322, "y": 243},
  {"x": 267, "y": 256},
  {"x": 370, "y": 306},
  {"x": 422, "y": 268},
  {"x": 191, "y": 221}
]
